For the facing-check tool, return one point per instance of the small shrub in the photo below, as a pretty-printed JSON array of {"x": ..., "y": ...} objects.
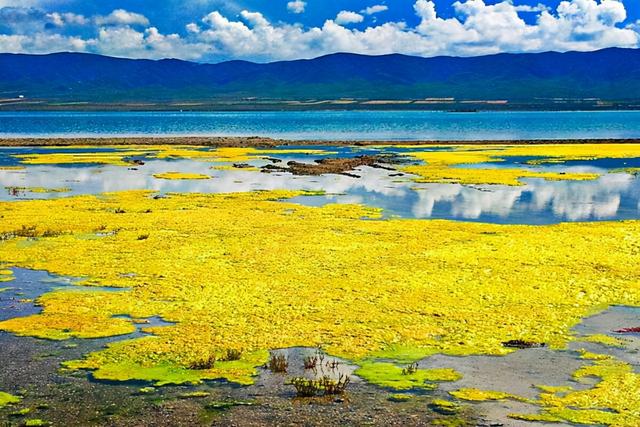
[
  {"x": 306, "y": 387},
  {"x": 143, "y": 237},
  {"x": 411, "y": 369},
  {"x": 332, "y": 387},
  {"x": 278, "y": 363},
  {"x": 204, "y": 363},
  {"x": 324, "y": 386},
  {"x": 232, "y": 354},
  {"x": 311, "y": 362}
]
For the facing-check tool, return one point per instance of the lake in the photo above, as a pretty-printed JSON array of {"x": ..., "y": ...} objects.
[{"x": 329, "y": 125}]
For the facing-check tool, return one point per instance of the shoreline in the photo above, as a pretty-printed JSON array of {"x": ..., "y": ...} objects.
[{"x": 256, "y": 141}]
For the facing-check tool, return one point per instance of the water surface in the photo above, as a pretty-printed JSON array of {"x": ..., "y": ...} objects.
[{"x": 329, "y": 125}]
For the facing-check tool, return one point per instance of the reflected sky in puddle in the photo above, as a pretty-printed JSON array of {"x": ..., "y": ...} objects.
[{"x": 614, "y": 196}]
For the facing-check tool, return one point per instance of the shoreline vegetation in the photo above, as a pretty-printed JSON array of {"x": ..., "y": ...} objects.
[{"x": 261, "y": 142}]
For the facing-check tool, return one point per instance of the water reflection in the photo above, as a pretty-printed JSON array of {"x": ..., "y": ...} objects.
[{"x": 614, "y": 196}]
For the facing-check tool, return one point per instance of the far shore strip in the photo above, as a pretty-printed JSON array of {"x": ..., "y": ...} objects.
[{"x": 271, "y": 142}]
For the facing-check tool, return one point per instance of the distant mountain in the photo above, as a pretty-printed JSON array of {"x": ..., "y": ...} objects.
[{"x": 610, "y": 74}]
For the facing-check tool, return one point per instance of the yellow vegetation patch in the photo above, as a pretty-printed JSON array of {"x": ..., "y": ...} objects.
[
  {"x": 604, "y": 340},
  {"x": 6, "y": 276},
  {"x": 614, "y": 400},
  {"x": 440, "y": 166},
  {"x": 475, "y": 395},
  {"x": 248, "y": 271},
  {"x": 8, "y": 399},
  {"x": 180, "y": 175},
  {"x": 12, "y": 168},
  {"x": 39, "y": 189},
  {"x": 392, "y": 376},
  {"x": 119, "y": 155}
]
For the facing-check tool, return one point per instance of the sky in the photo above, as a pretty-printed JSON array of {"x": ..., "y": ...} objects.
[{"x": 272, "y": 30}]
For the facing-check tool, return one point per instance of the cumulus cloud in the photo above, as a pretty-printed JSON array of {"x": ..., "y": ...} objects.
[
  {"x": 297, "y": 6},
  {"x": 372, "y": 10},
  {"x": 347, "y": 17},
  {"x": 123, "y": 17},
  {"x": 476, "y": 28}
]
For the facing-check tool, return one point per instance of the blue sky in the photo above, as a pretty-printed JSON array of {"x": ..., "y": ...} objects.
[{"x": 259, "y": 30}]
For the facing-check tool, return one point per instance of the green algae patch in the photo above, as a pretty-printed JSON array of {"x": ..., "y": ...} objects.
[
  {"x": 400, "y": 397},
  {"x": 392, "y": 376},
  {"x": 8, "y": 399},
  {"x": 444, "y": 407},
  {"x": 180, "y": 176},
  {"x": 194, "y": 395},
  {"x": 161, "y": 371},
  {"x": 36, "y": 422}
]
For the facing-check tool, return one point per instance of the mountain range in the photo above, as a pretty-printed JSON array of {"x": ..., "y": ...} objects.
[{"x": 605, "y": 77}]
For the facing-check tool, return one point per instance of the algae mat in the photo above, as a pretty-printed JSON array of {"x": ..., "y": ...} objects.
[{"x": 251, "y": 272}]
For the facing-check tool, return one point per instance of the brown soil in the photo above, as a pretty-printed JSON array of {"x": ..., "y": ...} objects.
[
  {"x": 269, "y": 142},
  {"x": 325, "y": 166}
]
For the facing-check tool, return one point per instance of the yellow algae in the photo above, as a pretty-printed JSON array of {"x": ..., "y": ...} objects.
[
  {"x": 476, "y": 395},
  {"x": 6, "y": 276},
  {"x": 40, "y": 189},
  {"x": 180, "y": 175},
  {"x": 249, "y": 271},
  {"x": 118, "y": 156},
  {"x": 537, "y": 418},
  {"x": 614, "y": 400},
  {"x": 604, "y": 340},
  {"x": 392, "y": 376},
  {"x": 115, "y": 158},
  {"x": 439, "y": 166},
  {"x": 587, "y": 355},
  {"x": 235, "y": 168},
  {"x": 8, "y": 399}
]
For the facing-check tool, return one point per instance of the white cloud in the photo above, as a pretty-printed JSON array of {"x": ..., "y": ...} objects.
[
  {"x": 477, "y": 28},
  {"x": 372, "y": 10},
  {"x": 62, "y": 19},
  {"x": 123, "y": 17},
  {"x": 297, "y": 6},
  {"x": 193, "y": 28},
  {"x": 347, "y": 17}
]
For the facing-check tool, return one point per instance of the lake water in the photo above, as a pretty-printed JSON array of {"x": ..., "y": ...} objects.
[
  {"x": 614, "y": 196},
  {"x": 329, "y": 125}
]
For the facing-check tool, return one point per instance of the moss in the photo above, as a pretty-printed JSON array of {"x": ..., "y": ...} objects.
[
  {"x": 392, "y": 376},
  {"x": 36, "y": 422}
]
